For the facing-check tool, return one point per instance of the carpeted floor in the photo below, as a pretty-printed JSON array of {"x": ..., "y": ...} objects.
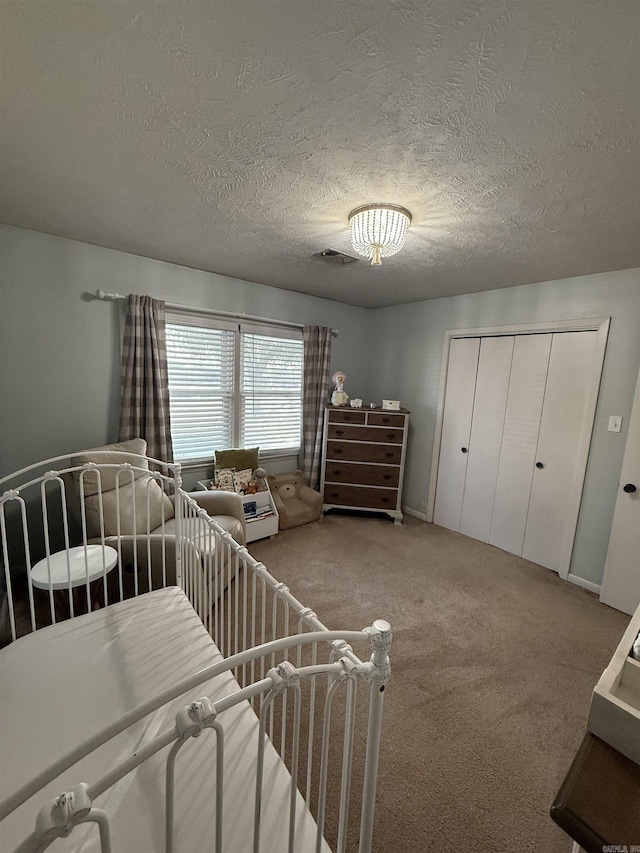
[{"x": 493, "y": 664}]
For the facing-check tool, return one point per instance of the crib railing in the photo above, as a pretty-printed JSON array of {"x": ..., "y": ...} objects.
[
  {"x": 60, "y": 816},
  {"x": 242, "y": 605},
  {"x": 64, "y": 553}
]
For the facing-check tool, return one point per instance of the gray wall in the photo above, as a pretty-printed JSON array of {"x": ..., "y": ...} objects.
[
  {"x": 408, "y": 352},
  {"x": 59, "y": 346},
  {"x": 59, "y": 354}
]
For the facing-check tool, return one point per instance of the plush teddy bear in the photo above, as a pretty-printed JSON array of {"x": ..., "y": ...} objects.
[{"x": 296, "y": 503}]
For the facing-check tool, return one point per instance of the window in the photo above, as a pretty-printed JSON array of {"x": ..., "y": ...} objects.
[{"x": 233, "y": 385}]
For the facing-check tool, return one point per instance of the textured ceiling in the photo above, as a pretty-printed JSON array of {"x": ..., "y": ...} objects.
[{"x": 236, "y": 136}]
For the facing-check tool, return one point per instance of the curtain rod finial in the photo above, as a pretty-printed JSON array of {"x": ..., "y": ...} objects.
[{"x": 102, "y": 294}]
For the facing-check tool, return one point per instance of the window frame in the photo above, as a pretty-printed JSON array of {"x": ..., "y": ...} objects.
[{"x": 194, "y": 319}]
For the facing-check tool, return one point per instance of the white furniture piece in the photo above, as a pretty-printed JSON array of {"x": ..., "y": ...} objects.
[
  {"x": 121, "y": 657},
  {"x": 264, "y": 523},
  {"x": 363, "y": 459},
  {"x": 516, "y": 426},
  {"x": 614, "y": 715},
  {"x": 119, "y": 498},
  {"x": 130, "y": 688},
  {"x": 597, "y": 803},
  {"x": 75, "y": 567}
]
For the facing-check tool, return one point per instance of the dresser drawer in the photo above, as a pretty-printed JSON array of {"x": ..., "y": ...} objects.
[
  {"x": 382, "y": 419},
  {"x": 346, "y": 416},
  {"x": 360, "y": 496},
  {"x": 366, "y": 475},
  {"x": 388, "y": 454},
  {"x": 362, "y": 433}
]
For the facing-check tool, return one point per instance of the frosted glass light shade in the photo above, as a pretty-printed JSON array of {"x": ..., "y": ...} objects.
[{"x": 378, "y": 230}]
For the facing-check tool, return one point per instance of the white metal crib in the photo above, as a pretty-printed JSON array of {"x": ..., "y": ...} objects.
[{"x": 127, "y": 646}]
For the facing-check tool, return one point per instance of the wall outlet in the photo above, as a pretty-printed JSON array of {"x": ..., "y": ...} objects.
[
  {"x": 424, "y": 506},
  {"x": 615, "y": 423}
]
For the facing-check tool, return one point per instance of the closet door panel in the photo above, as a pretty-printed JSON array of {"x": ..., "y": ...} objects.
[
  {"x": 492, "y": 384},
  {"x": 621, "y": 581},
  {"x": 557, "y": 485},
  {"x": 456, "y": 427},
  {"x": 519, "y": 441}
]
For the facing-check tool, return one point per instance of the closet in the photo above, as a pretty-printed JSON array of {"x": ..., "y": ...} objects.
[{"x": 517, "y": 418}]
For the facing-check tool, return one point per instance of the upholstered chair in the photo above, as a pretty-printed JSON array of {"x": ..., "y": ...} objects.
[{"x": 135, "y": 514}]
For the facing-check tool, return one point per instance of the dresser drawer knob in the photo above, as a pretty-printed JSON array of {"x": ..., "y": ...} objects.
[
  {"x": 385, "y": 500},
  {"x": 339, "y": 432},
  {"x": 346, "y": 417},
  {"x": 389, "y": 454},
  {"x": 386, "y": 476},
  {"x": 335, "y": 494},
  {"x": 391, "y": 436},
  {"x": 386, "y": 420},
  {"x": 336, "y": 472},
  {"x": 337, "y": 449}
]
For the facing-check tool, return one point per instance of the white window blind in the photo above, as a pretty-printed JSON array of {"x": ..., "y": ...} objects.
[
  {"x": 271, "y": 391},
  {"x": 200, "y": 365},
  {"x": 232, "y": 385}
]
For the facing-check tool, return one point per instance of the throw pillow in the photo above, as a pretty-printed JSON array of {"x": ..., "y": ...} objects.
[
  {"x": 135, "y": 489},
  {"x": 238, "y": 458}
]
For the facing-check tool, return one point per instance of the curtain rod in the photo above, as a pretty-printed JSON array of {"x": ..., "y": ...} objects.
[{"x": 102, "y": 294}]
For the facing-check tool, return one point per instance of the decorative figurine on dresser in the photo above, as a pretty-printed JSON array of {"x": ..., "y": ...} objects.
[
  {"x": 363, "y": 459},
  {"x": 339, "y": 396}
]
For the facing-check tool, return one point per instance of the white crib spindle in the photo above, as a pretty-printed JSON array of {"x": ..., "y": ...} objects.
[
  {"x": 295, "y": 749},
  {"x": 262, "y": 736},
  {"x": 311, "y": 718},
  {"x": 7, "y": 570},
  {"x": 347, "y": 760},
  {"x": 324, "y": 763},
  {"x": 47, "y": 548}
]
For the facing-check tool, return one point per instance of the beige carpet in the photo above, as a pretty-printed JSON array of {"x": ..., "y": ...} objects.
[{"x": 494, "y": 660}]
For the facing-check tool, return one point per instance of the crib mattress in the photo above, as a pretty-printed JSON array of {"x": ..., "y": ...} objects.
[{"x": 65, "y": 683}]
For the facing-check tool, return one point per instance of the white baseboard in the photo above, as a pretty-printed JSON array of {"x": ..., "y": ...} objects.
[
  {"x": 592, "y": 587},
  {"x": 414, "y": 512}
]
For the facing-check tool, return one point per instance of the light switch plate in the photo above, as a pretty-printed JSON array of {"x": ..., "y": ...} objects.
[{"x": 615, "y": 423}]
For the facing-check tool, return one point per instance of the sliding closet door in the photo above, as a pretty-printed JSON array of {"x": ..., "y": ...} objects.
[
  {"x": 492, "y": 384},
  {"x": 519, "y": 441},
  {"x": 456, "y": 427},
  {"x": 559, "y": 469}
]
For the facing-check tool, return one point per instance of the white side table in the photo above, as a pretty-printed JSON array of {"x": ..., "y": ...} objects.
[{"x": 77, "y": 565}]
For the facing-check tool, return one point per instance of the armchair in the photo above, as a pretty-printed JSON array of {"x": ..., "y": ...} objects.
[
  {"x": 137, "y": 516},
  {"x": 296, "y": 503}
]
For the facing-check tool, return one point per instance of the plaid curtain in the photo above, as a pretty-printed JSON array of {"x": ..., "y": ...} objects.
[
  {"x": 144, "y": 407},
  {"x": 317, "y": 358}
]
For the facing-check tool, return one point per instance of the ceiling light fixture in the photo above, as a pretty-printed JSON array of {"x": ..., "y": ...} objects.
[{"x": 378, "y": 230}]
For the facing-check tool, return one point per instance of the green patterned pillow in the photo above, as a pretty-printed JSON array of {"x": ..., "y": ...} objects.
[{"x": 239, "y": 459}]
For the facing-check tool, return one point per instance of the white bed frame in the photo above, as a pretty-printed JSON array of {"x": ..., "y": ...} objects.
[{"x": 268, "y": 660}]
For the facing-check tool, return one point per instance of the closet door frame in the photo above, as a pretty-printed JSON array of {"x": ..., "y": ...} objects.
[{"x": 591, "y": 324}]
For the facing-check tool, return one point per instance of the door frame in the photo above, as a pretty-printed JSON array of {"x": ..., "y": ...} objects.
[
  {"x": 591, "y": 324},
  {"x": 613, "y": 592}
]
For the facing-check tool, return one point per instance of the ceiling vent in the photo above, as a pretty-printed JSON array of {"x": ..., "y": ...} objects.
[{"x": 334, "y": 257}]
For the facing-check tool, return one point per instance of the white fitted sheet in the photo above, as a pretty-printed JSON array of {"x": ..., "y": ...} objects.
[{"x": 65, "y": 683}]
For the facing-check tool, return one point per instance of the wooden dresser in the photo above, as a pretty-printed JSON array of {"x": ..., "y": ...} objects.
[{"x": 363, "y": 459}]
